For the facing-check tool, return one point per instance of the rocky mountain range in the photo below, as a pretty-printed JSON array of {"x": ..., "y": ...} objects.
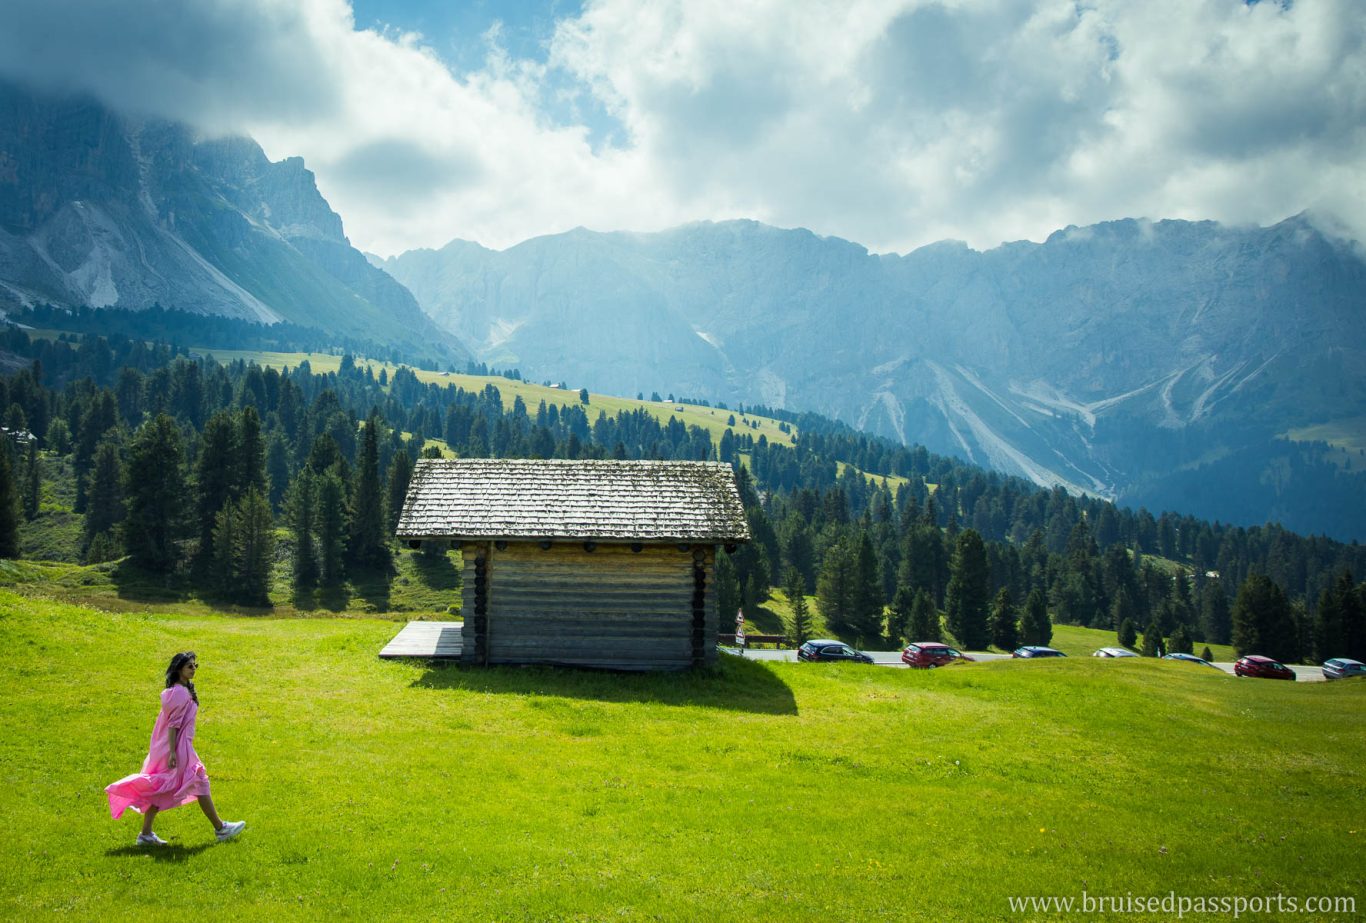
[
  {"x": 108, "y": 211},
  {"x": 1160, "y": 363}
]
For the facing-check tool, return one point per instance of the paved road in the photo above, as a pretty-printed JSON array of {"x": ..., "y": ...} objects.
[{"x": 893, "y": 659}]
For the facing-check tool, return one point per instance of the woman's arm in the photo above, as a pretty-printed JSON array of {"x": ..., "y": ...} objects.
[{"x": 172, "y": 734}]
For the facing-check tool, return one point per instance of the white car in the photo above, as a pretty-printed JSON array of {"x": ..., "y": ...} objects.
[{"x": 1114, "y": 652}]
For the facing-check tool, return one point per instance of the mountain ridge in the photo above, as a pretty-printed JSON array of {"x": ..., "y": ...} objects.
[
  {"x": 1106, "y": 358},
  {"x": 104, "y": 210}
]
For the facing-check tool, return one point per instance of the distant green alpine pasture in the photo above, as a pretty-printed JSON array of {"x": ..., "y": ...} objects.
[{"x": 752, "y": 791}]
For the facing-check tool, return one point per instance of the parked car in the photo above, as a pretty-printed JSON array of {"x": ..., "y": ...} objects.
[
  {"x": 824, "y": 649},
  {"x": 1343, "y": 667},
  {"x": 1114, "y": 652},
  {"x": 924, "y": 655},
  {"x": 1264, "y": 667},
  {"x": 1035, "y": 650},
  {"x": 1188, "y": 658}
]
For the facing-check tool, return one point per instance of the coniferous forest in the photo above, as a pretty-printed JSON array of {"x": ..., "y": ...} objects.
[{"x": 213, "y": 473}]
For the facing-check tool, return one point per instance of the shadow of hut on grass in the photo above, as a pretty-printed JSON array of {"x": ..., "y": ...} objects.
[{"x": 732, "y": 684}]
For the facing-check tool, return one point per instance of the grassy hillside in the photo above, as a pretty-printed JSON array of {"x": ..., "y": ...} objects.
[
  {"x": 752, "y": 791},
  {"x": 712, "y": 419}
]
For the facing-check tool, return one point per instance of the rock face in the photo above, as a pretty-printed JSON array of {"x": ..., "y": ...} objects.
[
  {"x": 101, "y": 210},
  {"x": 1157, "y": 363}
]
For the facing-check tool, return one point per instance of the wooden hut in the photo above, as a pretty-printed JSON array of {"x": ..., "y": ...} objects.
[{"x": 587, "y": 563}]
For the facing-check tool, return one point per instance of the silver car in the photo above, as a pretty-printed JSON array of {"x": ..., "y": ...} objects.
[{"x": 1343, "y": 667}]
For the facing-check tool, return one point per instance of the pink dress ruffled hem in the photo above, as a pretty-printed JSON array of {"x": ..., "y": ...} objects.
[{"x": 158, "y": 785}]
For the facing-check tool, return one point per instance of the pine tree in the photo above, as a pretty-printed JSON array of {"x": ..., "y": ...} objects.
[
  {"x": 965, "y": 600},
  {"x": 224, "y": 544},
  {"x": 1180, "y": 641},
  {"x": 368, "y": 546},
  {"x": 924, "y": 618},
  {"x": 255, "y": 548},
  {"x": 1005, "y": 629},
  {"x": 1207, "y": 654},
  {"x": 1263, "y": 621},
  {"x": 9, "y": 504},
  {"x": 333, "y": 524},
  {"x": 301, "y": 509},
  {"x": 837, "y": 587},
  {"x": 1035, "y": 625},
  {"x": 104, "y": 508},
  {"x": 215, "y": 477},
  {"x": 155, "y": 488},
  {"x": 400, "y": 473},
  {"x": 277, "y": 470},
  {"x": 32, "y": 486},
  {"x": 799, "y": 626},
  {"x": 1122, "y": 609},
  {"x": 868, "y": 605},
  {"x": 1127, "y": 634},
  {"x": 249, "y": 458},
  {"x": 1152, "y": 640},
  {"x": 899, "y": 619}
]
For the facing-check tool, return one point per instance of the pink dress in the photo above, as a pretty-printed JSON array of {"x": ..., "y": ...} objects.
[{"x": 159, "y": 786}]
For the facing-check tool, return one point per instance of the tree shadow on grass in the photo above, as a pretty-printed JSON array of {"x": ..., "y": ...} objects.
[
  {"x": 135, "y": 583},
  {"x": 172, "y": 852},
  {"x": 732, "y": 685},
  {"x": 372, "y": 585}
]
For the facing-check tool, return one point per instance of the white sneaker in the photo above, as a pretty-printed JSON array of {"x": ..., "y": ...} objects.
[
  {"x": 230, "y": 829},
  {"x": 150, "y": 839}
]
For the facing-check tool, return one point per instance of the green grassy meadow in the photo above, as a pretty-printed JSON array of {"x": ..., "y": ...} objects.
[
  {"x": 711, "y": 419},
  {"x": 378, "y": 789}
]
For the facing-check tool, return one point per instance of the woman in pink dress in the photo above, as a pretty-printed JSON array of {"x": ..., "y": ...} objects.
[{"x": 172, "y": 774}]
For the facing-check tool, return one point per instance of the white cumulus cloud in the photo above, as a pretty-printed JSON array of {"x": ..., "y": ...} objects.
[{"x": 888, "y": 122}]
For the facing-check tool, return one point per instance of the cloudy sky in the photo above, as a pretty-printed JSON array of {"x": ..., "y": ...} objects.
[{"x": 893, "y": 123}]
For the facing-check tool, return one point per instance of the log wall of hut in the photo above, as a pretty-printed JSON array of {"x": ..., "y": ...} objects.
[{"x": 652, "y": 609}]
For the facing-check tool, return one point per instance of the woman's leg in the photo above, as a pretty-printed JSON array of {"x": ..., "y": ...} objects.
[
  {"x": 147, "y": 819},
  {"x": 206, "y": 805}
]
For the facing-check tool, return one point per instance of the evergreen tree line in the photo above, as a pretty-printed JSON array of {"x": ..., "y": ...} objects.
[{"x": 184, "y": 462}]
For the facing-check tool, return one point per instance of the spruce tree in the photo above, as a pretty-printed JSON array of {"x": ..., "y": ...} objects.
[
  {"x": 1207, "y": 654},
  {"x": 249, "y": 457},
  {"x": 256, "y": 548},
  {"x": 215, "y": 477},
  {"x": 1152, "y": 640},
  {"x": 1127, "y": 634},
  {"x": 799, "y": 626},
  {"x": 1122, "y": 609},
  {"x": 154, "y": 486},
  {"x": 400, "y": 474},
  {"x": 1180, "y": 642},
  {"x": 277, "y": 470},
  {"x": 1263, "y": 621},
  {"x": 868, "y": 605},
  {"x": 924, "y": 618},
  {"x": 899, "y": 619},
  {"x": 9, "y": 504},
  {"x": 334, "y": 523},
  {"x": 104, "y": 508},
  {"x": 32, "y": 486},
  {"x": 301, "y": 509},
  {"x": 837, "y": 587},
  {"x": 368, "y": 546},
  {"x": 1035, "y": 625},
  {"x": 225, "y": 550},
  {"x": 965, "y": 600},
  {"x": 1005, "y": 629}
]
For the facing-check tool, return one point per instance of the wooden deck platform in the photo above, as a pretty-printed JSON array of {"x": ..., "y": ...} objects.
[{"x": 428, "y": 640}]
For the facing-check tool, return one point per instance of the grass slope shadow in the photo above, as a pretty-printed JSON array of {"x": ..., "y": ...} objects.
[{"x": 732, "y": 684}]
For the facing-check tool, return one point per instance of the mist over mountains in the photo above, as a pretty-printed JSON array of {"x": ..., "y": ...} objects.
[
  {"x": 108, "y": 211},
  {"x": 1158, "y": 363}
]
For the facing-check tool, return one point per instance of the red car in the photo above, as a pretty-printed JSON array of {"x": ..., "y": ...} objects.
[
  {"x": 1264, "y": 667},
  {"x": 924, "y": 655}
]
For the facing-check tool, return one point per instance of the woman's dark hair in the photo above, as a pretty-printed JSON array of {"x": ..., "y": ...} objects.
[{"x": 173, "y": 673}]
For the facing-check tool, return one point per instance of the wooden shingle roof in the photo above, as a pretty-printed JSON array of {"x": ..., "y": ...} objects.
[{"x": 628, "y": 501}]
